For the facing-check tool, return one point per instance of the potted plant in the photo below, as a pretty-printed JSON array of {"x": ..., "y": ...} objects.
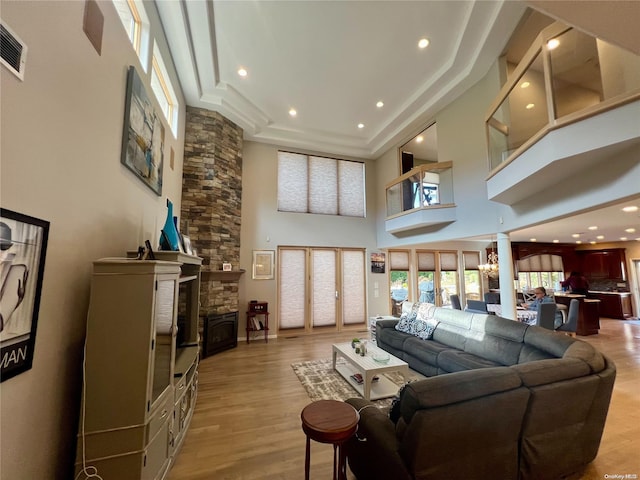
[{"x": 354, "y": 341}]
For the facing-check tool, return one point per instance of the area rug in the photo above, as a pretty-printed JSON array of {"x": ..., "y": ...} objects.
[{"x": 322, "y": 382}]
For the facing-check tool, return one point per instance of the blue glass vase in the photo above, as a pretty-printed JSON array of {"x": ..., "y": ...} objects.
[{"x": 169, "y": 238}]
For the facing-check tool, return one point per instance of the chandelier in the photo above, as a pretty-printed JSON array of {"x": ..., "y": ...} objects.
[{"x": 490, "y": 269}]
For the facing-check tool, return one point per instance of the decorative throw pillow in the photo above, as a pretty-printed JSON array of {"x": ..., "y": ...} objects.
[
  {"x": 426, "y": 311},
  {"x": 424, "y": 328},
  {"x": 407, "y": 319}
]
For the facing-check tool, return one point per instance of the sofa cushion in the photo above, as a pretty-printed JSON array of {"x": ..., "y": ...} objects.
[
  {"x": 550, "y": 371},
  {"x": 456, "y": 387},
  {"x": 425, "y": 351},
  {"x": 495, "y": 338},
  {"x": 408, "y": 319},
  {"x": 586, "y": 353},
  {"x": 456, "y": 361}
]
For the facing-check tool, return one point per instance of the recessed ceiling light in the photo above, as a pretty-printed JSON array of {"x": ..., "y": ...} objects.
[
  {"x": 593, "y": 227},
  {"x": 361, "y": 125},
  {"x": 530, "y": 106},
  {"x": 638, "y": 239},
  {"x": 592, "y": 242},
  {"x": 419, "y": 139},
  {"x": 624, "y": 239},
  {"x": 380, "y": 104},
  {"x": 423, "y": 43},
  {"x": 293, "y": 112},
  {"x": 630, "y": 230},
  {"x": 578, "y": 241},
  {"x": 630, "y": 208},
  {"x": 533, "y": 239},
  {"x": 556, "y": 241},
  {"x": 553, "y": 43},
  {"x": 600, "y": 237},
  {"x": 242, "y": 72},
  {"x": 524, "y": 84},
  {"x": 576, "y": 235}
]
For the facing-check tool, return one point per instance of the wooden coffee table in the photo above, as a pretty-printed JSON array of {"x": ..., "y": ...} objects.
[{"x": 369, "y": 368}]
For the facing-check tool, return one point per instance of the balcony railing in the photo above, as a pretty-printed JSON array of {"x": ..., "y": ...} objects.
[
  {"x": 565, "y": 76},
  {"x": 427, "y": 190}
]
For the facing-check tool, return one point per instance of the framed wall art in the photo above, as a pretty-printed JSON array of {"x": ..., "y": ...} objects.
[
  {"x": 142, "y": 135},
  {"x": 377, "y": 262},
  {"x": 23, "y": 247},
  {"x": 263, "y": 264}
]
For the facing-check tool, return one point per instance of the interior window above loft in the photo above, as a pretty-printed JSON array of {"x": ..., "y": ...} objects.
[
  {"x": 163, "y": 90},
  {"x": 136, "y": 24},
  {"x": 320, "y": 185},
  {"x": 420, "y": 150}
]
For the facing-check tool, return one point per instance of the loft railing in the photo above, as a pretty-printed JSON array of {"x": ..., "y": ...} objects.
[
  {"x": 424, "y": 187},
  {"x": 565, "y": 76}
]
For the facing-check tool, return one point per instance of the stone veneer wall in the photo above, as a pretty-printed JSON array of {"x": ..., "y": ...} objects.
[{"x": 211, "y": 204}]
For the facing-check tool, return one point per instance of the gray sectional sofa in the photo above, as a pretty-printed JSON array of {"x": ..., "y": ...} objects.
[{"x": 504, "y": 400}]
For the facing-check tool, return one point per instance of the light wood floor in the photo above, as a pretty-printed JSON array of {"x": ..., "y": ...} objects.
[{"x": 246, "y": 423}]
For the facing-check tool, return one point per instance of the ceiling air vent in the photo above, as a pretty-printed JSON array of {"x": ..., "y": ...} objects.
[{"x": 13, "y": 51}]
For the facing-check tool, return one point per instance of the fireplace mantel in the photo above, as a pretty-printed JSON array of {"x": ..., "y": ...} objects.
[{"x": 221, "y": 275}]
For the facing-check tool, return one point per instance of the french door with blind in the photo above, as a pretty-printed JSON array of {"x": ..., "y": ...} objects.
[
  {"x": 437, "y": 276},
  {"x": 320, "y": 289}
]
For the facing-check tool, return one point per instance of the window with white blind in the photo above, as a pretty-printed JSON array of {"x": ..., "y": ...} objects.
[
  {"x": 472, "y": 280},
  {"x": 320, "y": 185},
  {"x": 399, "y": 265},
  {"x": 437, "y": 275},
  {"x": 544, "y": 270},
  {"x": 321, "y": 288}
]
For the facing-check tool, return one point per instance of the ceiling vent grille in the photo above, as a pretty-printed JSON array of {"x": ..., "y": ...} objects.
[{"x": 13, "y": 51}]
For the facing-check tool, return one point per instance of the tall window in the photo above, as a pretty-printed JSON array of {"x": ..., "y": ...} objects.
[
  {"x": 310, "y": 184},
  {"x": 472, "y": 283},
  {"x": 163, "y": 90},
  {"x": 437, "y": 275},
  {"x": 398, "y": 279},
  {"x": 136, "y": 23}
]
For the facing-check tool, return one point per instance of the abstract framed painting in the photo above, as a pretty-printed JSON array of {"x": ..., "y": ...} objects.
[
  {"x": 142, "y": 135},
  {"x": 23, "y": 247}
]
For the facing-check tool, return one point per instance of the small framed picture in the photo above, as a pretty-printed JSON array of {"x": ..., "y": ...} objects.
[
  {"x": 263, "y": 264},
  {"x": 186, "y": 245},
  {"x": 226, "y": 267}
]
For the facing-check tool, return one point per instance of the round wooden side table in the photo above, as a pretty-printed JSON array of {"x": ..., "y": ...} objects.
[{"x": 329, "y": 421}]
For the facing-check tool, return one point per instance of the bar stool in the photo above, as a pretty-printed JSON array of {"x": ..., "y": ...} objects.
[{"x": 329, "y": 421}]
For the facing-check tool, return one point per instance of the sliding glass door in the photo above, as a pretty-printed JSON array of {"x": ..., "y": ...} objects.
[{"x": 321, "y": 289}]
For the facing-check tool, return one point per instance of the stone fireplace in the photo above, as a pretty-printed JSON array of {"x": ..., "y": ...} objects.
[{"x": 211, "y": 206}]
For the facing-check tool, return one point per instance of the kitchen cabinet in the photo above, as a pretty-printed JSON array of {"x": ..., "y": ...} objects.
[
  {"x": 613, "y": 304},
  {"x": 604, "y": 264}
]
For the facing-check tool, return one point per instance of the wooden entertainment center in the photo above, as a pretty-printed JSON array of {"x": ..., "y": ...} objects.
[{"x": 140, "y": 375}]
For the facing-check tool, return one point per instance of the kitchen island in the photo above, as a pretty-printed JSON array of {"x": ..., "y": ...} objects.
[
  {"x": 588, "y": 314},
  {"x": 613, "y": 304}
]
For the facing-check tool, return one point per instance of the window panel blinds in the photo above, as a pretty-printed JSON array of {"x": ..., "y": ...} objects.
[
  {"x": 541, "y": 263},
  {"x": 353, "y": 288},
  {"x": 323, "y": 185},
  {"x": 399, "y": 260},
  {"x": 292, "y": 182},
  {"x": 320, "y": 185},
  {"x": 471, "y": 260},
  {"x": 292, "y": 281}
]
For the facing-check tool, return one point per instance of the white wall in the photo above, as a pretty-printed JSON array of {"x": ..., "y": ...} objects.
[
  {"x": 60, "y": 161},
  {"x": 462, "y": 140},
  {"x": 264, "y": 228}
]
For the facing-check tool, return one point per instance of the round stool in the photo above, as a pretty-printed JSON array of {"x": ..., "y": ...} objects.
[{"x": 329, "y": 421}]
